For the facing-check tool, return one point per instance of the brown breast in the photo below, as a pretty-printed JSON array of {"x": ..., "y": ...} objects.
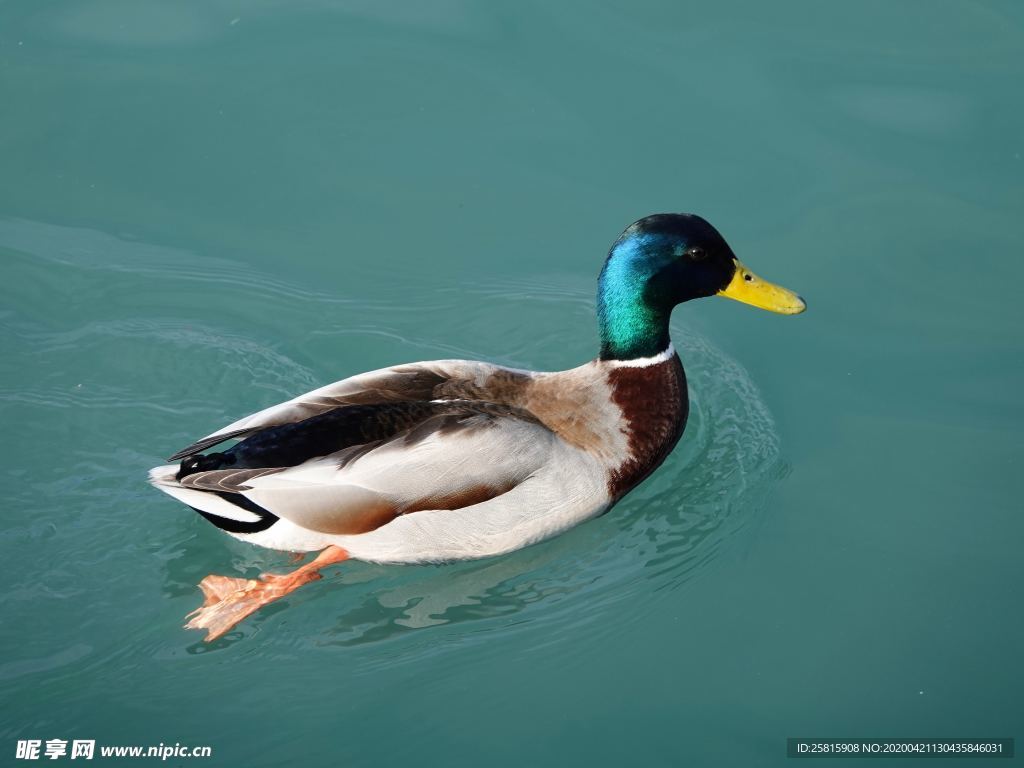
[{"x": 654, "y": 403}]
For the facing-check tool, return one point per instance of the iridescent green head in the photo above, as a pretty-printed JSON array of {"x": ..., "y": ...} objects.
[{"x": 664, "y": 260}]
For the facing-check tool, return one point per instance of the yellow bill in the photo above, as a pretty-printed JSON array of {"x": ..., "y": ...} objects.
[{"x": 747, "y": 287}]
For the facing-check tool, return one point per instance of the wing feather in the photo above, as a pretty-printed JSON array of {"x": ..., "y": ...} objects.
[
  {"x": 229, "y": 480},
  {"x": 450, "y": 468},
  {"x": 415, "y": 382}
]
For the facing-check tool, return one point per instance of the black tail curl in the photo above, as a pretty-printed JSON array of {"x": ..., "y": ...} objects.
[{"x": 192, "y": 464}]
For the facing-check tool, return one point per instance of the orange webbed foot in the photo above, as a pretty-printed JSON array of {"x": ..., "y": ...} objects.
[{"x": 229, "y": 600}]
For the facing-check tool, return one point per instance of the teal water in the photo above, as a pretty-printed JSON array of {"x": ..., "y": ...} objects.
[{"x": 208, "y": 207}]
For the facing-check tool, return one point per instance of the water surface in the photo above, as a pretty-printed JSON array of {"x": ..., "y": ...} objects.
[{"x": 206, "y": 208}]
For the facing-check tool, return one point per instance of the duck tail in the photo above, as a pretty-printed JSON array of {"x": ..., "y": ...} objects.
[
  {"x": 165, "y": 475},
  {"x": 231, "y": 512}
]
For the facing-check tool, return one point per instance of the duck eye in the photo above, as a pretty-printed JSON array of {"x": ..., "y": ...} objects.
[{"x": 695, "y": 254}]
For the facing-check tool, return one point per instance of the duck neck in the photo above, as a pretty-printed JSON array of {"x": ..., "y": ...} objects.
[
  {"x": 631, "y": 330},
  {"x": 630, "y": 325}
]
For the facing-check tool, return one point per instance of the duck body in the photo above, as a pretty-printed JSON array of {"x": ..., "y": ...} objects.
[
  {"x": 453, "y": 459},
  {"x": 438, "y": 461}
]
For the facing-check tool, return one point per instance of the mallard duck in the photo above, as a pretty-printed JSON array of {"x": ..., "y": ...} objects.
[{"x": 452, "y": 459}]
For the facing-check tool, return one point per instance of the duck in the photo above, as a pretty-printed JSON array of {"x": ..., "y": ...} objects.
[{"x": 448, "y": 460}]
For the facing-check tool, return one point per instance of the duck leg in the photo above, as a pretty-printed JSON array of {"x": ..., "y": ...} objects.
[{"x": 229, "y": 600}]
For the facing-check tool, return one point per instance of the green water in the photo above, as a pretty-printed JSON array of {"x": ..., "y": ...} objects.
[{"x": 208, "y": 207}]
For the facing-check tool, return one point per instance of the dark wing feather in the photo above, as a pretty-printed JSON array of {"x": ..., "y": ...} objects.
[
  {"x": 208, "y": 442},
  {"x": 421, "y": 382},
  {"x": 346, "y": 432}
]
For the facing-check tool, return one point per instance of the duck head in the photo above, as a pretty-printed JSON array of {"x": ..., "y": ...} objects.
[{"x": 664, "y": 260}]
